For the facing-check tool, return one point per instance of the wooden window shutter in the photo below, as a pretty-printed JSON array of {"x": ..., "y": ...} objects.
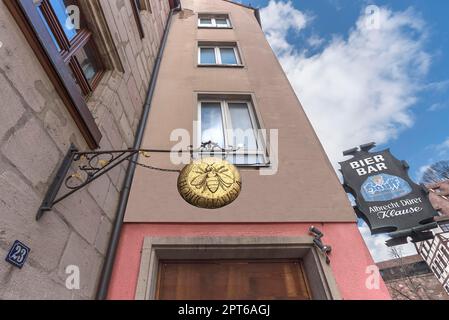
[{"x": 27, "y": 17}]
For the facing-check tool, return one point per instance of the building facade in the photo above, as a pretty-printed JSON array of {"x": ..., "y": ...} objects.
[
  {"x": 219, "y": 74},
  {"x": 436, "y": 251},
  {"x": 71, "y": 72},
  {"x": 436, "y": 254},
  {"x": 410, "y": 278}
]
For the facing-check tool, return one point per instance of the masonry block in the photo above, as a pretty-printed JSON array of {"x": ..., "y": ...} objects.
[
  {"x": 33, "y": 152},
  {"x": 81, "y": 254},
  {"x": 82, "y": 213},
  {"x": 103, "y": 236},
  {"x": 18, "y": 207}
]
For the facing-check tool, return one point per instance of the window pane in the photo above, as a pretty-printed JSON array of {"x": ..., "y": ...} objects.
[
  {"x": 222, "y": 22},
  {"x": 212, "y": 123},
  {"x": 250, "y": 159},
  {"x": 243, "y": 131},
  {"x": 228, "y": 56},
  {"x": 206, "y": 21},
  {"x": 65, "y": 20},
  {"x": 208, "y": 56},
  {"x": 75, "y": 79},
  {"x": 140, "y": 5},
  {"x": 88, "y": 61},
  {"x": 49, "y": 30}
]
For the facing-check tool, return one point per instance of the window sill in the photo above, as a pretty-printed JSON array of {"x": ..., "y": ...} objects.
[
  {"x": 206, "y": 27},
  {"x": 220, "y": 65},
  {"x": 252, "y": 166}
]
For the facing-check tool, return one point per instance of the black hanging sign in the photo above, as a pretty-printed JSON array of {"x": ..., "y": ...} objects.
[{"x": 386, "y": 198}]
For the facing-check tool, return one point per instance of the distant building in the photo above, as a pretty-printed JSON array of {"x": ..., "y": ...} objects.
[
  {"x": 204, "y": 67},
  {"x": 436, "y": 251},
  {"x": 439, "y": 196},
  {"x": 410, "y": 278}
]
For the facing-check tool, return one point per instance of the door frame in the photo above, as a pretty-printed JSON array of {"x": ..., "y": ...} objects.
[{"x": 320, "y": 278}]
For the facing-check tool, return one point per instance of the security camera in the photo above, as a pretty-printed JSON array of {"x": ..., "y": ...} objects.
[{"x": 315, "y": 231}]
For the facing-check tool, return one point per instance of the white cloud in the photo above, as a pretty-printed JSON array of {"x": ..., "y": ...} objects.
[
  {"x": 278, "y": 19},
  {"x": 423, "y": 169},
  {"x": 379, "y": 251},
  {"x": 357, "y": 90},
  {"x": 437, "y": 107},
  {"x": 315, "y": 41},
  {"x": 443, "y": 148}
]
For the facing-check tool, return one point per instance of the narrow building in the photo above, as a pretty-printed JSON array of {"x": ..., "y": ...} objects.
[
  {"x": 218, "y": 74},
  {"x": 195, "y": 76}
]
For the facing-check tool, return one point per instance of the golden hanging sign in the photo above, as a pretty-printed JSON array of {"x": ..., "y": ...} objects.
[{"x": 209, "y": 183}]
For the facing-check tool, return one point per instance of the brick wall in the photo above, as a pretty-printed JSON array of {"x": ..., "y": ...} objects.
[{"x": 36, "y": 131}]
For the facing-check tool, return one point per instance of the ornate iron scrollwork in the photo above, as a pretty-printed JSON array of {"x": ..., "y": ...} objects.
[{"x": 91, "y": 165}]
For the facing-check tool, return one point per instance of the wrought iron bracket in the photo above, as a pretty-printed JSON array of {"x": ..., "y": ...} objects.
[
  {"x": 91, "y": 165},
  {"x": 417, "y": 234}
]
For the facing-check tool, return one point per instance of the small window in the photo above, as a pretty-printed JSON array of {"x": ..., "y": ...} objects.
[
  {"x": 219, "y": 55},
  {"x": 75, "y": 45},
  {"x": 143, "y": 5},
  {"x": 214, "y": 21},
  {"x": 444, "y": 227},
  {"x": 232, "y": 124},
  {"x": 68, "y": 53},
  {"x": 137, "y": 6}
]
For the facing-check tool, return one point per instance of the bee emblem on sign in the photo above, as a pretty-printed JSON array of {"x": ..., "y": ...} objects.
[
  {"x": 209, "y": 183},
  {"x": 213, "y": 178}
]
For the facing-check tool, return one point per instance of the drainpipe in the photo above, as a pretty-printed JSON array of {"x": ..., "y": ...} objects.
[{"x": 108, "y": 265}]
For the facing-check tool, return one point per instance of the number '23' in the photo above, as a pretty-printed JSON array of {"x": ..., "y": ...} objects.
[{"x": 19, "y": 254}]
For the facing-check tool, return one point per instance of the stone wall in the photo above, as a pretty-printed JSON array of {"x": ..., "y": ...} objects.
[{"x": 36, "y": 131}]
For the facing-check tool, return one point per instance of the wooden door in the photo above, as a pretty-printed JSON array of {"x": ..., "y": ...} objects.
[{"x": 232, "y": 280}]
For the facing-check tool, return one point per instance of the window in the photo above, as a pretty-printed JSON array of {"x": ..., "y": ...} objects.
[
  {"x": 75, "y": 45},
  {"x": 213, "y": 21},
  {"x": 224, "y": 55},
  {"x": 444, "y": 227},
  {"x": 138, "y": 5},
  {"x": 67, "y": 53},
  {"x": 143, "y": 5},
  {"x": 232, "y": 123}
]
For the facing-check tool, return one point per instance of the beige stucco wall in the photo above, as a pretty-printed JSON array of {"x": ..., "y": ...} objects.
[
  {"x": 305, "y": 188},
  {"x": 36, "y": 131}
]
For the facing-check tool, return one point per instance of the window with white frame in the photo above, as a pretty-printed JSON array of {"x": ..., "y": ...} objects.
[
  {"x": 218, "y": 55},
  {"x": 232, "y": 124},
  {"x": 214, "y": 21}
]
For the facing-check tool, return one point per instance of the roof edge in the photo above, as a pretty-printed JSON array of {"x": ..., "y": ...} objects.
[{"x": 256, "y": 10}]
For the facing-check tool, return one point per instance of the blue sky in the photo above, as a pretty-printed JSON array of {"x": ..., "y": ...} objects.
[{"x": 389, "y": 85}]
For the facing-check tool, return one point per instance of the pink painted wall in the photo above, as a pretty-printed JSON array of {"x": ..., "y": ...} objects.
[{"x": 349, "y": 258}]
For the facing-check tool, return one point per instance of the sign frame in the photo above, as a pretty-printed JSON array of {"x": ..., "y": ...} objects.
[
  {"x": 18, "y": 254},
  {"x": 385, "y": 196}
]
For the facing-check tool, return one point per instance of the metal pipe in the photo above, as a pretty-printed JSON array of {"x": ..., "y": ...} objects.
[{"x": 105, "y": 277}]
